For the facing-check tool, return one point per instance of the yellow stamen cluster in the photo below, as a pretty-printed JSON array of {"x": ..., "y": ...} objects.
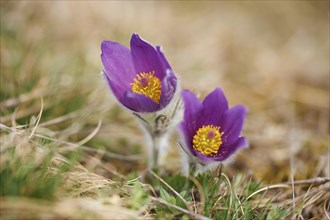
[
  {"x": 147, "y": 84},
  {"x": 207, "y": 140}
]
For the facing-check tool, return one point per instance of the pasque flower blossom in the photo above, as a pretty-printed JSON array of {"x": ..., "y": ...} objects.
[
  {"x": 140, "y": 78},
  {"x": 143, "y": 81},
  {"x": 211, "y": 130}
]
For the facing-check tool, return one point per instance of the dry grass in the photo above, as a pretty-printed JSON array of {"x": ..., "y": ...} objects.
[{"x": 270, "y": 56}]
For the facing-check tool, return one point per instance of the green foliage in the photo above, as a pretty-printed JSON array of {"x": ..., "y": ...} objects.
[
  {"x": 139, "y": 197},
  {"x": 276, "y": 213},
  {"x": 29, "y": 179},
  {"x": 220, "y": 198}
]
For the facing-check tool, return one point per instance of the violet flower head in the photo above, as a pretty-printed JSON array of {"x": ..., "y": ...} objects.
[
  {"x": 140, "y": 77},
  {"x": 211, "y": 130}
]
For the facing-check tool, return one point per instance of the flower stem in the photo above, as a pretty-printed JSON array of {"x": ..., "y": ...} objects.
[
  {"x": 192, "y": 168},
  {"x": 154, "y": 152},
  {"x": 157, "y": 134}
]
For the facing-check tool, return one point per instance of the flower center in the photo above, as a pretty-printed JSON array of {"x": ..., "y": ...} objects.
[
  {"x": 147, "y": 84},
  {"x": 207, "y": 140}
]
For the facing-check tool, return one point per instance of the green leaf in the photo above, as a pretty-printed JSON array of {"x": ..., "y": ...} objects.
[{"x": 167, "y": 197}]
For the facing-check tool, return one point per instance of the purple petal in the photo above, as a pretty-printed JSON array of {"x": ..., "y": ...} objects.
[
  {"x": 202, "y": 158},
  {"x": 115, "y": 88},
  {"x": 139, "y": 103},
  {"x": 145, "y": 57},
  {"x": 186, "y": 140},
  {"x": 226, "y": 151},
  {"x": 169, "y": 84},
  {"x": 232, "y": 123},
  {"x": 214, "y": 105},
  {"x": 192, "y": 107},
  {"x": 162, "y": 58},
  {"x": 118, "y": 63}
]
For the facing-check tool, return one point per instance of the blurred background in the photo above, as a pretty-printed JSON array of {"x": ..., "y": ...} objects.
[{"x": 271, "y": 56}]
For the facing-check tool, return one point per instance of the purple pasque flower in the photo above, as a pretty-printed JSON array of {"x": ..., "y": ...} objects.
[
  {"x": 211, "y": 130},
  {"x": 140, "y": 78}
]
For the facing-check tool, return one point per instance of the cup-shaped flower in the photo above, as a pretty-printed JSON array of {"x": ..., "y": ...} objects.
[
  {"x": 211, "y": 130},
  {"x": 140, "y": 77},
  {"x": 143, "y": 81}
]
